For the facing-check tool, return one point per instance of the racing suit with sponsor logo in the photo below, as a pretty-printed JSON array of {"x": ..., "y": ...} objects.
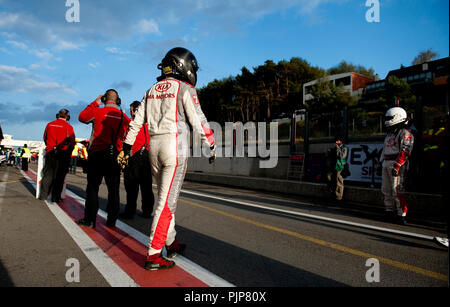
[
  {"x": 398, "y": 146},
  {"x": 169, "y": 108}
]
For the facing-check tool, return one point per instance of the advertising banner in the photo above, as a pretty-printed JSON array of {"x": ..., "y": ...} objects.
[{"x": 363, "y": 160}]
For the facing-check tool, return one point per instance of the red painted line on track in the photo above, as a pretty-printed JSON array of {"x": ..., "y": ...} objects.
[{"x": 125, "y": 251}]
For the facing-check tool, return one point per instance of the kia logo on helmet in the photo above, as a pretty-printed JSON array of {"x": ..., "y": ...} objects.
[{"x": 163, "y": 87}]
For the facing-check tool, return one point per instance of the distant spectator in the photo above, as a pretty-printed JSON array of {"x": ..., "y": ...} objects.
[
  {"x": 73, "y": 159},
  {"x": 337, "y": 159},
  {"x": 12, "y": 158},
  {"x": 26, "y": 155},
  {"x": 19, "y": 157}
]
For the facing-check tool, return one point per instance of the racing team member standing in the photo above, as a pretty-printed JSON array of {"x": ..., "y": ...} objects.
[
  {"x": 168, "y": 107},
  {"x": 138, "y": 173},
  {"x": 59, "y": 139},
  {"x": 26, "y": 156},
  {"x": 398, "y": 146},
  {"x": 109, "y": 127}
]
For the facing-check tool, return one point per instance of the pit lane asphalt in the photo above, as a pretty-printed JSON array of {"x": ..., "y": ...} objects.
[
  {"x": 259, "y": 247},
  {"x": 34, "y": 246}
]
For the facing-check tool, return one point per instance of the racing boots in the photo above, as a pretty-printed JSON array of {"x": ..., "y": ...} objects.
[
  {"x": 157, "y": 262},
  {"x": 174, "y": 249}
]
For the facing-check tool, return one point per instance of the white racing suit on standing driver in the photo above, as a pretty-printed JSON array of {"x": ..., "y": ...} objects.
[
  {"x": 398, "y": 146},
  {"x": 169, "y": 107}
]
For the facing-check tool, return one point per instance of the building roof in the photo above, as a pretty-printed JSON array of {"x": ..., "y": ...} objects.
[{"x": 438, "y": 67}]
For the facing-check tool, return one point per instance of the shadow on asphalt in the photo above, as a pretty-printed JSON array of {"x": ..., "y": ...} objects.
[
  {"x": 5, "y": 279},
  {"x": 333, "y": 226},
  {"x": 218, "y": 257},
  {"x": 320, "y": 205},
  {"x": 254, "y": 269}
]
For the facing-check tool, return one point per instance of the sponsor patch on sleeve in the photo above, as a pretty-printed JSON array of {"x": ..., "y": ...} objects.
[{"x": 195, "y": 98}]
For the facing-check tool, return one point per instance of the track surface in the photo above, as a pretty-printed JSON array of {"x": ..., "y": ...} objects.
[{"x": 246, "y": 238}]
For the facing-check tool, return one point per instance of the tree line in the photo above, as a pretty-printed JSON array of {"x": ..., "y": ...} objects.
[
  {"x": 274, "y": 90},
  {"x": 269, "y": 91}
]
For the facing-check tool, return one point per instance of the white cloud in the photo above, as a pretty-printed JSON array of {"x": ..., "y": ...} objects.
[
  {"x": 19, "y": 45},
  {"x": 94, "y": 65},
  {"x": 17, "y": 79},
  {"x": 12, "y": 70},
  {"x": 7, "y": 19},
  {"x": 65, "y": 45},
  {"x": 4, "y": 50},
  {"x": 34, "y": 85},
  {"x": 148, "y": 26},
  {"x": 118, "y": 51},
  {"x": 34, "y": 66},
  {"x": 42, "y": 54},
  {"x": 8, "y": 35}
]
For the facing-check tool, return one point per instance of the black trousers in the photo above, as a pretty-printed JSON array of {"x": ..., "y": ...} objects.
[
  {"x": 25, "y": 164},
  {"x": 102, "y": 165},
  {"x": 138, "y": 175},
  {"x": 54, "y": 172}
]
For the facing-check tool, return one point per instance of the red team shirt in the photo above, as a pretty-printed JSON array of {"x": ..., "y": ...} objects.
[
  {"x": 59, "y": 133},
  {"x": 106, "y": 125}
]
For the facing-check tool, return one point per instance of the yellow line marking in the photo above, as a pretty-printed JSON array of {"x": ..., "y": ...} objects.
[
  {"x": 11, "y": 181},
  {"x": 341, "y": 248}
]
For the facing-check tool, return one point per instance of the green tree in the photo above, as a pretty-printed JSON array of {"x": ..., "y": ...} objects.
[
  {"x": 397, "y": 91},
  {"x": 329, "y": 97},
  {"x": 343, "y": 67},
  {"x": 424, "y": 56},
  {"x": 270, "y": 89},
  {"x": 245, "y": 88}
]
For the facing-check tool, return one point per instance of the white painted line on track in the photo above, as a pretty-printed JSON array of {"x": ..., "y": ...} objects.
[
  {"x": 316, "y": 217},
  {"x": 194, "y": 269},
  {"x": 3, "y": 188},
  {"x": 113, "y": 274}
]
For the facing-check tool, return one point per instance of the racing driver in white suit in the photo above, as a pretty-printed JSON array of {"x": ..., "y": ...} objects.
[
  {"x": 170, "y": 107},
  {"x": 398, "y": 146}
]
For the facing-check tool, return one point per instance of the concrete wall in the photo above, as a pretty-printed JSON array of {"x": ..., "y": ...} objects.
[
  {"x": 239, "y": 167},
  {"x": 251, "y": 166},
  {"x": 244, "y": 166}
]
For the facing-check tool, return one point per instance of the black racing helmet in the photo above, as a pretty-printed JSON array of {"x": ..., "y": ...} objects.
[{"x": 180, "y": 63}]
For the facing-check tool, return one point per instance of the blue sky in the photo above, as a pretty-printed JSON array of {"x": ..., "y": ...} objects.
[{"x": 47, "y": 63}]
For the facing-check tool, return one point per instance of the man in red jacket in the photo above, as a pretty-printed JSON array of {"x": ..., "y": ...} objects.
[
  {"x": 109, "y": 127},
  {"x": 59, "y": 139},
  {"x": 138, "y": 173}
]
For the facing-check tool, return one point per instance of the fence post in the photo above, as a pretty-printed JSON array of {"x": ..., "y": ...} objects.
[
  {"x": 293, "y": 133},
  {"x": 39, "y": 174},
  {"x": 306, "y": 146},
  {"x": 345, "y": 123}
]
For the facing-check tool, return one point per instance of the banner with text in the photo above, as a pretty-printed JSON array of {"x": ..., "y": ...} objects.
[{"x": 363, "y": 161}]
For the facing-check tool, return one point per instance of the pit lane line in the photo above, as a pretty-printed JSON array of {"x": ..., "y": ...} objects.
[
  {"x": 351, "y": 251},
  {"x": 316, "y": 217},
  {"x": 3, "y": 188},
  {"x": 113, "y": 274},
  {"x": 185, "y": 264}
]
